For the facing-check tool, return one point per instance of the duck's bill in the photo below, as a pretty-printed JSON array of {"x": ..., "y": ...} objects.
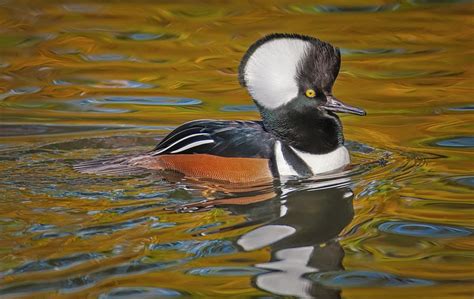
[{"x": 336, "y": 105}]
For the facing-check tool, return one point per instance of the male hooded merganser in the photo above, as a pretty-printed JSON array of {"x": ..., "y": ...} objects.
[{"x": 290, "y": 78}]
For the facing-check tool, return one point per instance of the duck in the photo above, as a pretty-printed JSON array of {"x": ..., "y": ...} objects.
[{"x": 290, "y": 78}]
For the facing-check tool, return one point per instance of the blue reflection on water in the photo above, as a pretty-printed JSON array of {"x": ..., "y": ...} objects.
[
  {"x": 140, "y": 292},
  {"x": 152, "y": 101},
  {"x": 469, "y": 107},
  {"x": 19, "y": 91},
  {"x": 365, "y": 279},
  {"x": 111, "y": 228},
  {"x": 104, "y": 57},
  {"x": 199, "y": 248},
  {"x": 459, "y": 142},
  {"x": 465, "y": 180},
  {"x": 56, "y": 263},
  {"x": 112, "y": 83},
  {"x": 103, "y": 104},
  {"x": 69, "y": 284},
  {"x": 345, "y": 8},
  {"x": 226, "y": 271},
  {"x": 238, "y": 108},
  {"x": 144, "y": 36},
  {"x": 373, "y": 51},
  {"x": 423, "y": 229}
]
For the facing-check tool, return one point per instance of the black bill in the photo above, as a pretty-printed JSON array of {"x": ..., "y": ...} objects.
[{"x": 336, "y": 105}]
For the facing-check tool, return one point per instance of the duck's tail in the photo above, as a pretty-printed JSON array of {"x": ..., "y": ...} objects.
[{"x": 117, "y": 166}]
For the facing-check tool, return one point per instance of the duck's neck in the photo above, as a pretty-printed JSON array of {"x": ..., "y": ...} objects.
[{"x": 304, "y": 128}]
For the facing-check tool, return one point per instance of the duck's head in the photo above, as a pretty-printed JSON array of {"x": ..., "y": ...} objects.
[{"x": 282, "y": 68}]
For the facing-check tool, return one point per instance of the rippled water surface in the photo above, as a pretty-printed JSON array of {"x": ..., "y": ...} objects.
[{"x": 87, "y": 79}]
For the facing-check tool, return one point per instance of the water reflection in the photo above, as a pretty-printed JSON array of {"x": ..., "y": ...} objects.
[
  {"x": 302, "y": 241},
  {"x": 300, "y": 227},
  {"x": 423, "y": 229},
  {"x": 339, "y": 279},
  {"x": 145, "y": 36},
  {"x": 99, "y": 78},
  {"x": 142, "y": 293},
  {"x": 461, "y": 141}
]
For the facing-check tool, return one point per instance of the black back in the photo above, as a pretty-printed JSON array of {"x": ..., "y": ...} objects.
[{"x": 247, "y": 139}]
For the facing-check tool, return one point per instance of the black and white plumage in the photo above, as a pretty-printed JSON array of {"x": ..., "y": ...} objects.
[
  {"x": 290, "y": 78},
  {"x": 218, "y": 137}
]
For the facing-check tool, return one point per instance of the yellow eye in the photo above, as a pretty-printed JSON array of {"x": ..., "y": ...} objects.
[{"x": 310, "y": 93}]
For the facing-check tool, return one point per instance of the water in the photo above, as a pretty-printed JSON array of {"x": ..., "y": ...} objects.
[{"x": 87, "y": 79}]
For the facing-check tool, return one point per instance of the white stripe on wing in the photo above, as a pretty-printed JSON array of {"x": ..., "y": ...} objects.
[
  {"x": 191, "y": 145},
  {"x": 182, "y": 139}
]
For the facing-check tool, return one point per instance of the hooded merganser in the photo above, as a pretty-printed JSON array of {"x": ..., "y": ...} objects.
[{"x": 290, "y": 78}]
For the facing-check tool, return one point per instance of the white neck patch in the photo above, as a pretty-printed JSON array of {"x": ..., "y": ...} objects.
[
  {"x": 336, "y": 159},
  {"x": 270, "y": 72},
  {"x": 318, "y": 164}
]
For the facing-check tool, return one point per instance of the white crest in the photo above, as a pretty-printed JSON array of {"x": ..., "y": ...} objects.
[{"x": 270, "y": 72}]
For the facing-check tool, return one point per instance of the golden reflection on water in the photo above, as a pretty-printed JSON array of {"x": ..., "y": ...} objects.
[{"x": 82, "y": 79}]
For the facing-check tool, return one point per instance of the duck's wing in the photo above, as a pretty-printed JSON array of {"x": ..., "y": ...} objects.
[
  {"x": 213, "y": 138},
  {"x": 245, "y": 139}
]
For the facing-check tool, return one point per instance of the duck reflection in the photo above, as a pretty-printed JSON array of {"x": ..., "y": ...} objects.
[{"x": 300, "y": 227}]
